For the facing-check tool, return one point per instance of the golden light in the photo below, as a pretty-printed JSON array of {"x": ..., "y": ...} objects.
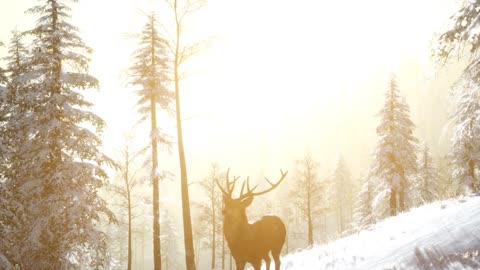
[{"x": 280, "y": 76}]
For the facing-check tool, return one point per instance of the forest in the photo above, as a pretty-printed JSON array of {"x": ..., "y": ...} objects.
[{"x": 133, "y": 134}]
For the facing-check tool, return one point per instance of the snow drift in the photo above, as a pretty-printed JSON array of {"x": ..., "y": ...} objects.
[{"x": 440, "y": 235}]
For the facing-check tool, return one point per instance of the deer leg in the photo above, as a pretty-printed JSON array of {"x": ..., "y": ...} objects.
[
  {"x": 276, "y": 258},
  {"x": 267, "y": 262},
  {"x": 240, "y": 264},
  {"x": 257, "y": 265}
]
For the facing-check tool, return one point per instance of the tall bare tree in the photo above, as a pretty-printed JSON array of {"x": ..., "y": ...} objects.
[
  {"x": 183, "y": 51},
  {"x": 211, "y": 207},
  {"x": 211, "y": 216},
  {"x": 307, "y": 190},
  {"x": 130, "y": 171}
]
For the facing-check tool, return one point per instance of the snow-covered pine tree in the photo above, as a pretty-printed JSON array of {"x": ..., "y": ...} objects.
[
  {"x": 60, "y": 166},
  {"x": 363, "y": 215},
  {"x": 426, "y": 183},
  {"x": 394, "y": 160},
  {"x": 12, "y": 111},
  {"x": 460, "y": 33},
  {"x": 150, "y": 72},
  {"x": 342, "y": 195},
  {"x": 13, "y": 108},
  {"x": 465, "y": 151},
  {"x": 3, "y": 83},
  {"x": 3, "y": 76}
]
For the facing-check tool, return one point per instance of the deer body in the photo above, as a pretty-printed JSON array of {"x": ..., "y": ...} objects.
[{"x": 254, "y": 242}]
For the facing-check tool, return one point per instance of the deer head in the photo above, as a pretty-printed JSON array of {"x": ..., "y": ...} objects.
[
  {"x": 235, "y": 208},
  {"x": 250, "y": 242}
]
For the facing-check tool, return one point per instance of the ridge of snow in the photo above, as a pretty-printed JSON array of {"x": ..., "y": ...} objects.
[{"x": 440, "y": 235}]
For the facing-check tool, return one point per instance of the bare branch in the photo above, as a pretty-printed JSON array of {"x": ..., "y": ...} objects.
[{"x": 193, "y": 49}]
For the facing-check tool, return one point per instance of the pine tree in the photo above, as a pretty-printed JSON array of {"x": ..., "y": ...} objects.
[
  {"x": 60, "y": 166},
  {"x": 364, "y": 216},
  {"x": 427, "y": 178},
  {"x": 462, "y": 33},
  {"x": 11, "y": 113},
  {"x": 394, "y": 160},
  {"x": 342, "y": 195},
  {"x": 150, "y": 72},
  {"x": 3, "y": 76},
  {"x": 13, "y": 108},
  {"x": 465, "y": 151}
]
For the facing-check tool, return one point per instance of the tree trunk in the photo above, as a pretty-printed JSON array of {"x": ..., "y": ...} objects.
[
  {"x": 309, "y": 221},
  {"x": 342, "y": 218},
  {"x": 393, "y": 202},
  {"x": 166, "y": 262},
  {"x": 129, "y": 266},
  {"x": 157, "y": 255},
  {"x": 142, "y": 251},
  {"x": 214, "y": 233},
  {"x": 324, "y": 227},
  {"x": 338, "y": 218},
  {"x": 472, "y": 184},
  {"x": 401, "y": 200},
  {"x": 286, "y": 241},
  {"x": 223, "y": 251},
  {"x": 187, "y": 222}
]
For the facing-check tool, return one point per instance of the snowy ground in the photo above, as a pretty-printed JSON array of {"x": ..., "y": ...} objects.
[{"x": 441, "y": 235}]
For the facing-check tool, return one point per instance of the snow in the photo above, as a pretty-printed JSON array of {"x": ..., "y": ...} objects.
[{"x": 440, "y": 235}]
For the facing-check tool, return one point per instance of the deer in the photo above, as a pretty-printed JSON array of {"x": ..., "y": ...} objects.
[{"x": 251, "y": 242}]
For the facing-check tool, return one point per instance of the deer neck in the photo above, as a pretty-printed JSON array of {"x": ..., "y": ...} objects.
[{"x": 236, "y": 231}]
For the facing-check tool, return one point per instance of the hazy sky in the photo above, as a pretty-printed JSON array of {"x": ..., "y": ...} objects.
[{"x": 281, "y": 77}]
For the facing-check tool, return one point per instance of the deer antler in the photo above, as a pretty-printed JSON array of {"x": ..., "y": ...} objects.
[
  {"x": 229, "y": 185},
  {"x": 250, "y": 192}
]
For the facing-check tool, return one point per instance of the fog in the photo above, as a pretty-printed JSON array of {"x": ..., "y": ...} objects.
[{"x": 280, "y": 78}]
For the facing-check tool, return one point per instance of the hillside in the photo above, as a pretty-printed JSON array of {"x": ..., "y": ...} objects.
[{"x": 440, "y": 235}]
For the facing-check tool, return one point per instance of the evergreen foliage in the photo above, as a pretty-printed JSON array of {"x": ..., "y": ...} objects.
[
  {"x": 363, "y": 215},
  {"x": 465, "y": 151},
  {"x": 342, "y": 196},
  {"x": 394, "y": 159},
  {"x": 427, "y": 178},
  {"x": 55, "y": 167},
  {"x": 462, "y": 33},
  {"x": 150, "y": 73}
]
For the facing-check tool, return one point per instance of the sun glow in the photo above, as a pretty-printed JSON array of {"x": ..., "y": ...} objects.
[
  {"x": 279, "y": 79},
  {"x": 275, "y": 75},
  {"x": 281, "y": 70}
]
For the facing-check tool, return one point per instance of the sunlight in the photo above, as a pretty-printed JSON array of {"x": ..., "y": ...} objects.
[
  {"x": 268, "y": 68},
  {"x": 265, "y": 66},
  {"x": 281, "y": 85}
]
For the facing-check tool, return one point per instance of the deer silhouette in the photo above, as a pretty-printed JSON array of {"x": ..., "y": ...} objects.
[{"x": 247, "y": 242}]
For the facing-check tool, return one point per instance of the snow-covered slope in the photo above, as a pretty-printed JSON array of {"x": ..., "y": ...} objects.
[{"x": 441, "y": 235}]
